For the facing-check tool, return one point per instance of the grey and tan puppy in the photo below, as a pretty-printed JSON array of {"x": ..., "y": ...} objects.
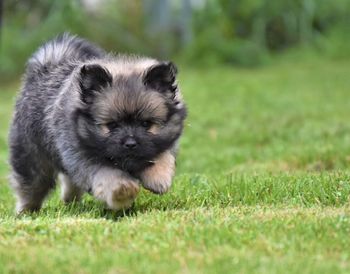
[{"x": 105, "y": 124}]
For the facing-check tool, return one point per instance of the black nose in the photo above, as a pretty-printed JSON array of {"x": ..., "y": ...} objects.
[{"x": 130, "y": 143}]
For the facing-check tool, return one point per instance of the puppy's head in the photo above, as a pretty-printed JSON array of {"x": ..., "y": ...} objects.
[{"x": 128, "y": 117}]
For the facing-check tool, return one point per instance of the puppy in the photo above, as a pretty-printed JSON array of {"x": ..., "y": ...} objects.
[{"x": 104, "y": 123}]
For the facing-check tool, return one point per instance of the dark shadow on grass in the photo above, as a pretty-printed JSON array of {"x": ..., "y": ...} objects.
[{"x": 88, "y": 208}]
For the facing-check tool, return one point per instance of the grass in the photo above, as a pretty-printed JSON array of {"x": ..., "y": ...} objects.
[{"x": 262, "y": 185}]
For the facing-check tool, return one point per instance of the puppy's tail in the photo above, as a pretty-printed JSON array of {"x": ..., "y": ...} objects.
[{"x": 64, "y": 47}]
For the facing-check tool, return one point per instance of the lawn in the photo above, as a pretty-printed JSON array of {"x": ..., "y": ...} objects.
[{"x": 262, "y": 185}]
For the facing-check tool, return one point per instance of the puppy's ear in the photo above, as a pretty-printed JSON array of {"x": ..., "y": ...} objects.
[
  {"x": 93, "y": 78},
  {"x": 161, "y": 77}
]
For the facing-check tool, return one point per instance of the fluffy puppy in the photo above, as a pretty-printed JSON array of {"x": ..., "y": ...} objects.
[{"x": 105, "y": 123}]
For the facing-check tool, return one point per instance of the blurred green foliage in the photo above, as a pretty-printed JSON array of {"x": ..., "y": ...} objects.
[
  {"x": 239, "y": 32},
  {"x": 245, "y": 32}
]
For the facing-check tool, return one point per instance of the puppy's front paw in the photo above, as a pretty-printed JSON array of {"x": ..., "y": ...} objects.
[
  {"x": 123, "y": 194},
  {"x": 158, "y": 177},
  {"x": 115, "y": 188}
]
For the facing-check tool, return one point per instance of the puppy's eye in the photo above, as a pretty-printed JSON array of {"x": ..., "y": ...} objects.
[
  {"x": 146, "y": 124},
  {"x": 112, "y": 125}
]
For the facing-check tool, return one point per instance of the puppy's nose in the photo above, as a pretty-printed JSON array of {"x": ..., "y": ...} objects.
[{"x": 130, "y": 143}]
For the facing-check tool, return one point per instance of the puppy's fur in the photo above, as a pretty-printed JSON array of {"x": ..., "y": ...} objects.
[{"x": 104, "y": 123}]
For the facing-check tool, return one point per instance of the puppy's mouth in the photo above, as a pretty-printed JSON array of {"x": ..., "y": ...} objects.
[{"x": 133, "y": 165}]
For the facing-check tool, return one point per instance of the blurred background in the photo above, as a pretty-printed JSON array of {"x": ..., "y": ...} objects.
[
  {"x": 263, "y": 175},
  {"x": 244, "y": 33}
]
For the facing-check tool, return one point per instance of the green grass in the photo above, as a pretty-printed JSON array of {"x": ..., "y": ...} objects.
[{"x": 262, "y": 185}]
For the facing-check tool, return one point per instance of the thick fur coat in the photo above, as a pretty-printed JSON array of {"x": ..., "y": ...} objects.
[{"x": 105, "y": 124}]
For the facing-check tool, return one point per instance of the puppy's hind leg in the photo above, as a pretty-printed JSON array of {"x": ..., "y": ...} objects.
[
  {"x": 69, "y": 191},
  {"x": 30, "y": 194},
  {"x": 32, "y": 175}
]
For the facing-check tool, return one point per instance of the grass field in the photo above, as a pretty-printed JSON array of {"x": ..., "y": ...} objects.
[{"x": 262, "y": 185}]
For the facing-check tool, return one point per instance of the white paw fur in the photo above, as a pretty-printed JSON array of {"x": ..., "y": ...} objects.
[{"x": 117, "y": 189}]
